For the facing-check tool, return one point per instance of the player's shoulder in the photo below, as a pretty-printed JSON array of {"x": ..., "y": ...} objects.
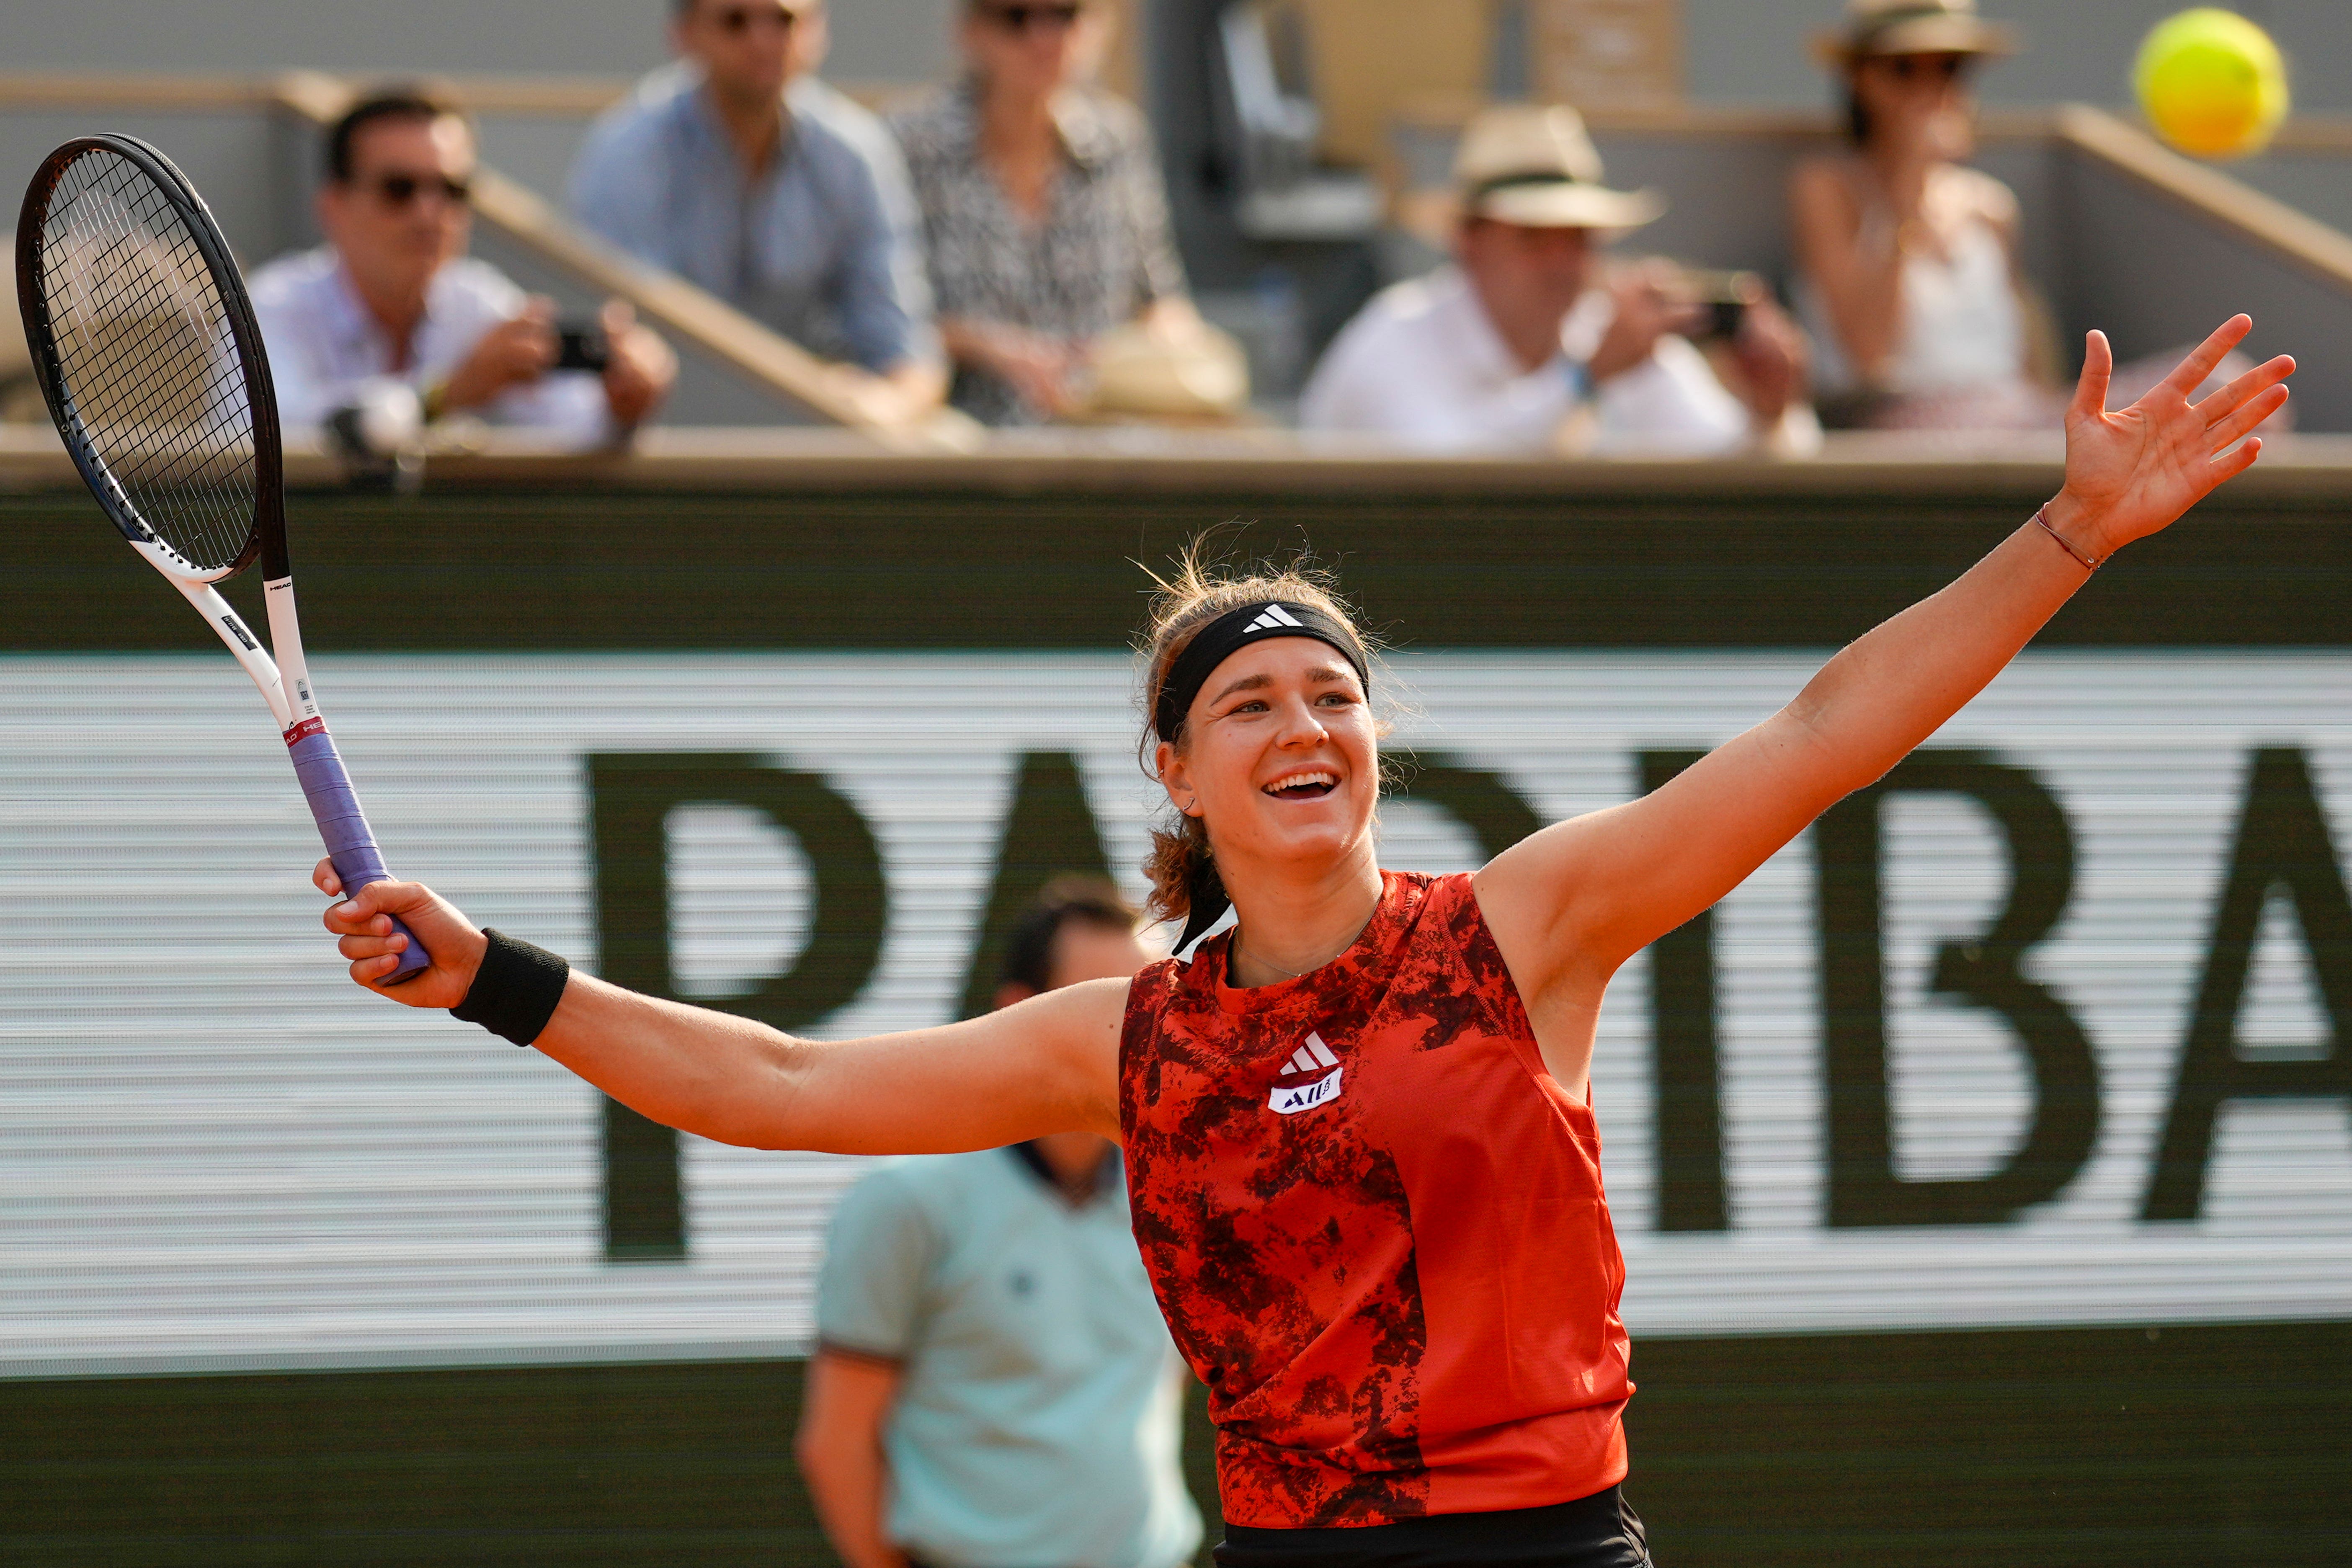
[
  {"x": 283, "y": 281},
  {"x": 1406, "y": 321},
  {"x": 470, "y": 288},
  {"x": 1400, "y": 332},
  {"x": 936, "y": 1188},
  {"x": 653, "y": 102},
  {"x": 1984, "y": 192}
]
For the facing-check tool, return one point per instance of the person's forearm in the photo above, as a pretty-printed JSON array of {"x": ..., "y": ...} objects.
[
  {"x": 1883, "y": 696},
  {"x": 1867, "y": 311},
  {"x": 976, "y": 343},
  {"x": 921, "y": 386},
  {"x": 847, "y": 1482},
  {"x": 711, "y": 1074},
  {"x": 1046, "y": 1067}
]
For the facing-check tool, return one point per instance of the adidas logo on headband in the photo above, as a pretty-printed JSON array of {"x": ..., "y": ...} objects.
[{"x": 1275, "y": 616}]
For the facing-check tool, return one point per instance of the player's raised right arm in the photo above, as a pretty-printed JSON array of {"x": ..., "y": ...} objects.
[{"x": 1048, "y": 1065}]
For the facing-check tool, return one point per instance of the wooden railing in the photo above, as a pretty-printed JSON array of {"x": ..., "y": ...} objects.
[{"x": 2295, "y": 237}]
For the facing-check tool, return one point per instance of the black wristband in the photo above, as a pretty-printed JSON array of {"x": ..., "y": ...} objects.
[{"x": 515, "y": 992}]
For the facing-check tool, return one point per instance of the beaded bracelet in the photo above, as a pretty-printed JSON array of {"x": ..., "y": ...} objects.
[
  {"x": 2087, "y": 563},
  {"x": 515, "y": 992}
]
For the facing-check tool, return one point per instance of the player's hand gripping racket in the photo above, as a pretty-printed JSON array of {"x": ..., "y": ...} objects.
[{"x": 148, "y": 355}]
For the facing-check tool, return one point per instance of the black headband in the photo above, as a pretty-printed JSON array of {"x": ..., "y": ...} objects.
[
  {"x": 1215, "y": 643},
  {"x": 1234, "y": 630}
]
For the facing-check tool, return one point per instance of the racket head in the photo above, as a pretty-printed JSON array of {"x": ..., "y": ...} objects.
[{"x": 144, "y": 344}]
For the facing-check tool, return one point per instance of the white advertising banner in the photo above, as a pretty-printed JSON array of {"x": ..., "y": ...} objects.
[{"x": 2058, "y": 1029}]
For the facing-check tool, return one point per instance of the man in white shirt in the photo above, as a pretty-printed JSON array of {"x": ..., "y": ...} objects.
[
  {"x": 392, "y": 296},
  {"x": 1521, "y": 347}
]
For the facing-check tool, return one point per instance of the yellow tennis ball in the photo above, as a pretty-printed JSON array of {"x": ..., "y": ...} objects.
[{"x": 2211, "y": 83}]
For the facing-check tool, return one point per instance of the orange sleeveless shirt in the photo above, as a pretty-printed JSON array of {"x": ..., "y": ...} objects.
[{"x": 1376, "y": 1227}]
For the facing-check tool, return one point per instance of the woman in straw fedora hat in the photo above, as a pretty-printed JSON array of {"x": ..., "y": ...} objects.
[{"x": 1910, "y": 282}]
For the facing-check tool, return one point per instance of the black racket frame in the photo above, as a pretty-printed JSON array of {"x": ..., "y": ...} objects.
[{"x": 267, "y": 540}]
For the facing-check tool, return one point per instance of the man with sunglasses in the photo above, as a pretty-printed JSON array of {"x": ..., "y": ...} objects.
[
  {"x": 739, "y": 171},
  {"x": 392, "y": 296}
]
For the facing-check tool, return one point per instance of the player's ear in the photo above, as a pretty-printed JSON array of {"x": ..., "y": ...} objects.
[{"x": 1168, "y": 764}]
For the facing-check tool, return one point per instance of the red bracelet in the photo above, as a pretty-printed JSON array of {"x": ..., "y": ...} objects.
[{"x": 2086, "y": 562}]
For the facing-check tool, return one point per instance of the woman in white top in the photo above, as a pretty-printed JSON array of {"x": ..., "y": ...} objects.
[{"x": 1909, "y": 281}]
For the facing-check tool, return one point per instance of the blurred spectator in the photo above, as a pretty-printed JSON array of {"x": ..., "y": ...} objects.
[
  {"x": 994, "y": 1386},
  {"x": 739, "y": 171},
  {"x": 1042, "y": 211},
  {"x": 1525, "y": 344},
  {"x": 391, "y": 300},
  {"x": 1911, "y": 285}
]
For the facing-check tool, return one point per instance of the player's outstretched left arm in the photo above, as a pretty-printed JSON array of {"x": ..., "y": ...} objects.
[
  {"x": 1577, "y": 900},
  {"x": 1046, "y": 1065}
]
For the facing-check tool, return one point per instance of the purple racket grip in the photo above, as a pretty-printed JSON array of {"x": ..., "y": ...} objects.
[{"x": 344, "y": 827}]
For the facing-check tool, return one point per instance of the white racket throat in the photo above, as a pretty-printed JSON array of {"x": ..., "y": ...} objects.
[{"x": 273, "y": 676}]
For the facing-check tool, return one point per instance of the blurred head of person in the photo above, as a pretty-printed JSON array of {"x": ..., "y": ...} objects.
[
  {"x": 1906, "y": 66},
  {"x": 749, "y": 49},
  {"x": 1533, "y": 211},
  {"x": 1025, "y": 51},
  {"x": 1079, "y": 929},
  {"x": 400, "y": 170}
]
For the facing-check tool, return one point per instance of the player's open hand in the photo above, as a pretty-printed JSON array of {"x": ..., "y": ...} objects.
[
  {"x": 2132, "y": 473},
  {"x": 373, "y": 946}
]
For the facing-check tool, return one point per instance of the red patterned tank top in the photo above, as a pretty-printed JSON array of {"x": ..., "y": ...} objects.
[{"x": 1376, "y": 1227}]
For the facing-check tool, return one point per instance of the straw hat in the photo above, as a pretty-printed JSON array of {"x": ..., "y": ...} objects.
[
  {"x": 1533, "y": 165},
  {"x": 1136, "y": 371},
  {"x": 1912, "y": 28}
]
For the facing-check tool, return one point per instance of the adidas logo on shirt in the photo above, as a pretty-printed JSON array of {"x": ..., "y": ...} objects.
[
  {"x": 1311, "y": 1078},
  {"x": 1274, "y": 618}
]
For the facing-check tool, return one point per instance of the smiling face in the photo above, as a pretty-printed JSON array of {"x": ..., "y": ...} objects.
[{"x": 1279, "y": 758}]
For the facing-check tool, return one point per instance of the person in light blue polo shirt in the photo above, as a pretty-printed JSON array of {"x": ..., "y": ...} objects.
[
  {"x": 994, "y": 1386},
  {"x": 738, "y": 170}
]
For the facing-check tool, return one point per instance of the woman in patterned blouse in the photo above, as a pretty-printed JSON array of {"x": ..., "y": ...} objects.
[{"x": 1044, "y": 211}]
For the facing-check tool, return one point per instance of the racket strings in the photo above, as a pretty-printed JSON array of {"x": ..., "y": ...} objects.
[{"x": 147, "y": 359}]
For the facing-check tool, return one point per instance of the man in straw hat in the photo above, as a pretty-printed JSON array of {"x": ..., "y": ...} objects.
[{"x": 1522, "y": 346}]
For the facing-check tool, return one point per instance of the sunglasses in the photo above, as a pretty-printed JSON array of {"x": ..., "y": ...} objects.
[
  {"x": 1929, "y": 68},
  {"x": 737, "y": 20},
  {"x": 400, "y": 191},
  {"x": 1021, "y": 18}
]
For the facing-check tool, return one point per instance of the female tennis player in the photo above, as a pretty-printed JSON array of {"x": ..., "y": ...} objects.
[{"x": 1363, "y": 1169}]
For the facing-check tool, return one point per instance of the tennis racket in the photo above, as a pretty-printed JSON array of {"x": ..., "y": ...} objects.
[{"x": 148, "y": 356}]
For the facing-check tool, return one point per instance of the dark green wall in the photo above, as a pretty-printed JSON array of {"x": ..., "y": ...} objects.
[
  {"x": 567, "y": 571},
  {"x": 2134, "y": 1448}
]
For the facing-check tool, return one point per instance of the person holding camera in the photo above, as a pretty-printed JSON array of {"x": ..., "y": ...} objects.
[
  {"x": 391, "y": 322},
  {"x": 738, "y": 169},
  {"x": 1524, "y": 344}
]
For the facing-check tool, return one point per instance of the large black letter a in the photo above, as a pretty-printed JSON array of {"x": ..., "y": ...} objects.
[{"x": 2282, "y": 842}]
